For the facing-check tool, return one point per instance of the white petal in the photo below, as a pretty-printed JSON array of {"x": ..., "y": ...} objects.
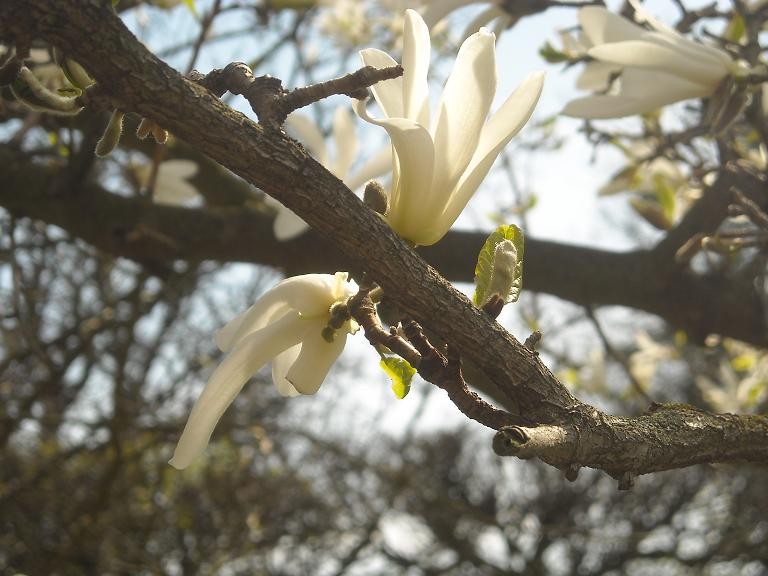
[
  {"x": 227, "y": 381},
  {"x": 280, "y": 366},
  {"x": 309, "y": 294},
  {"x": 389, "y": 93},
  {"x": 315, "y": 359},
  {"x": 596, "y": 76},
  {"x": 482, "y": 19},
  {"x": 179, "y": 168},
  {"x": 378, "y": 165},
  {"x": 174, "y": 191},
  {"x": 640, "y": 91},
  {"x": 601, "y": 26},
  {"x": 463, "y": 109},
  {"x": 288, "y": 224},
  {"x": 345, "y": 136},
  {"x": 502, "y": 126},
  {"x": 642, "y": 54},
  {"x": 307, "y": 132},
  {"x": 409, "y": 207},
  {"x": 437, "y": 10},
  {"x": 416, "y": 53}
]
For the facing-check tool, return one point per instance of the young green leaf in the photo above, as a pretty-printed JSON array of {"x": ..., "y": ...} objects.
[
  {"x": 400, "y": 372},
  {"x": 485, "y": 265}
]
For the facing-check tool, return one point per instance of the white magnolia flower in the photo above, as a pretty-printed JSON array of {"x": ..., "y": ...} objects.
[
  {"x": 436, "y": 171},
  {"x": 437, "y": 10},
  {"x": 596, "y": 76},
  {"x": 344, "y": 21},
  {"x": 286, "y": 325},
  {"x": 659, "y": 66},
  {"x": 172, "y": 185},
  {"x": 287, "y": 224}
]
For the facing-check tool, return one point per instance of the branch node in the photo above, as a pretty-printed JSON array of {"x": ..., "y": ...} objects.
[
  {"x": 532, "y": 341},
  {"x": 572, "y": 472},
  {"x": 626, "y": 480}
]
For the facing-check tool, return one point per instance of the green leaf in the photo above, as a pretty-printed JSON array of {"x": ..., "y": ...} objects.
[
  {"x": 736, "y": 29},
  {"x": 552, "y": 54},
  {"x": 400, "y": 372},
  {"x": 666, "y": 196},
  {"x": 484, "y": 268}
]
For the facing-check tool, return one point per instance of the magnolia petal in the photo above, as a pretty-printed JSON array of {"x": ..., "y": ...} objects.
[
  {"x": 173, "y": 191},
  {"x": 178, "y": 168},
  {"x": 388, "y": 93},
  {"x": 706, "y": 55},
  {"x": 641, "y": 54},
  {"x": 658, "y": 88},
  {"x": 485, "y": 17},
  {"x": 310, "y": 294},
  {"x": 288, "y": 224},
  {"x": 437, "y": 10},
  {"x": 463, "y": 108},
  {"x": 415, "y": 156},
  {"x": 602, "y": 26},
  {"x": 502, "y": 126},
  {"x": 416, "y": 54},
  {"x": 307, "y": 132},
  {"x": 315, "y": 358},
  {"x": 280, "y": 366},
  {"x": 227, "y": 381},
  {"x": 596, "y": 76},
  {"x": 345, "y": 137},
  {"x": 378, "y": 165}
]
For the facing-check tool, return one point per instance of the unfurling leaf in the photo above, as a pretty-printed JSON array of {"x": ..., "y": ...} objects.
[
  {"x": 400, "y": 372},
  {"x": 504, "y": 248}
]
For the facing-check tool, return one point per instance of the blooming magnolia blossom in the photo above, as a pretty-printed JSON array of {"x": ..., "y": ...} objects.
[
  {"x": 287, "y": 224},
  {"x": 437, "y": 10},
  {"x": 286, "y": 325},
  {"x": 436, "y": 171},
  {"x": 658, "y": 66}
]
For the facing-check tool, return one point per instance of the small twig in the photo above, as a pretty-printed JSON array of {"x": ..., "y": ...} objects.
[
  {"x": 752, "y": 210},
  {"x": 616, "y": 355},
  {"x": 272, "y": 103},
  {"x": 445, "y": 372},
  {"x": 362, "y": 309}
]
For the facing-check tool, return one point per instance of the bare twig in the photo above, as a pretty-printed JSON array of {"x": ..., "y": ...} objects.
[{"x": 272, "y": 103}]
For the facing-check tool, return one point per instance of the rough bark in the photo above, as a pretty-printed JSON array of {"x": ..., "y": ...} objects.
[{"x": 135, "y": 81}]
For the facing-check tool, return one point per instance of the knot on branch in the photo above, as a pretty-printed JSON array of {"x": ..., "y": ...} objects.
[{"x": 272, "y": 103}]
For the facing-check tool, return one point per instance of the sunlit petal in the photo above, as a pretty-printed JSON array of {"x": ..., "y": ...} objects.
[
  {"x": 463, "y": 109},
  {"x": 389, "y": 93},
  {"x": 310, "y": 294},
  {"x": 416, "y": 54}
]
